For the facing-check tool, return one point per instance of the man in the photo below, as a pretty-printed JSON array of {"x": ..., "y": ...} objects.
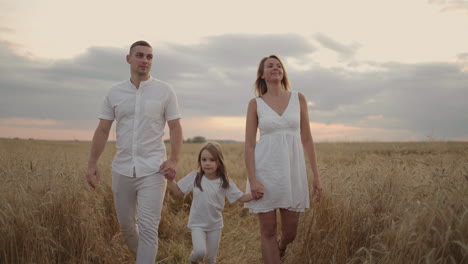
[{"x": 141, "y": 106}]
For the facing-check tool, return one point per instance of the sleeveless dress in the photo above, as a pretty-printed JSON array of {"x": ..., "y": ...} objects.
[{"x": 279, "y": 159}]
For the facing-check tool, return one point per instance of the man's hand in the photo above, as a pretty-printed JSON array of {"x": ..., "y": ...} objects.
[
  {"x": 93, "y": 172},
  {"x": 168, "y": 168}
]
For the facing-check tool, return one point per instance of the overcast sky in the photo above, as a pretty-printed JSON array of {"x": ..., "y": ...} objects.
[{"x": 371, "y": 70}]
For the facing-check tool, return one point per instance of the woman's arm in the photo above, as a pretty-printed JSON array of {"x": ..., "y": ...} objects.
[
  {"x": 309, "y": 148},
  {"x": 251, "y": 126}
]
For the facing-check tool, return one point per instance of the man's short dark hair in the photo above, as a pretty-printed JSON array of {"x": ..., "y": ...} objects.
[{"x": 139, "y": 43}]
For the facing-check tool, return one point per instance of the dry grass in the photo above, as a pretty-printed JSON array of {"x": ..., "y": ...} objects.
[{"x": 384, "y": 203}]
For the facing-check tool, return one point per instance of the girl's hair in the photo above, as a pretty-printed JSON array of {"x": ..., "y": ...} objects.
[
  {"x": 215, "y": 149},
  {"x": 260, "y": 85}
]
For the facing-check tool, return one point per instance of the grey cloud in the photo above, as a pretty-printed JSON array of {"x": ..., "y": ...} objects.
[
  {"x": 7, "y": 30},
  {"x": 451, "y": 6},
  {"x": 243, "y": 50},
  {"x": 221, "y": 69},
  {"x": 9, "y": 60},
  {"x": 463, "y": 7},
  {"x": 97, "y": 63},
  {"x": 215, "y": 77},
  {"x": 462, "y": 56},
  {"x": 172, "y": 65},
  {"x": 344, "y": 51},
  {"x": 42, "y": 89},
  {"x": 462, "y": 59},
  {"x": 233, "y": 51},
  {"x": 420, "y": 97}
]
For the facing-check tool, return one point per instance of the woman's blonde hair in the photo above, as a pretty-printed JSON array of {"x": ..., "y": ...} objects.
[
  {"x": 215, "y": 149},
  {"x": 260, "y": 85}
]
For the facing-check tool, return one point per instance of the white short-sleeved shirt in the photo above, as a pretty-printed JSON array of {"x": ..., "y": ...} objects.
[
  {"x": 207, "y": 205},
  {"x": 140, "y": 116}
]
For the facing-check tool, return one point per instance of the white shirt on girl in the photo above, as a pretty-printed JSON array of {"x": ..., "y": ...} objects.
[{"x": 207, "y": 205}]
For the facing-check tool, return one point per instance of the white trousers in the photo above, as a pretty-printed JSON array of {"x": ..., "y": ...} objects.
[
  {"x": 138, "y": 204},
  {"x": 205, "y": 245}
]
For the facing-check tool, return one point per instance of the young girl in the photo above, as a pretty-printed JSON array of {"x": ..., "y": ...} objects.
[{"x": 210, "y": 186}]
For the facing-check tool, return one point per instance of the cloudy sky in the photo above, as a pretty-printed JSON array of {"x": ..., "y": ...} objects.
[{"x": 370, "y": 69}]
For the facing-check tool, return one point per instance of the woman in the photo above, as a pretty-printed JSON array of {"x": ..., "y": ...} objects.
[{"x": 276, "y": 165}]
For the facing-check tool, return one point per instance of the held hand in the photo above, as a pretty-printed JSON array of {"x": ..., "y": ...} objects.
[
  {"x": 169, "y": 177},
  {"x": 257, "y": 189},
  {"x": 168, "y": 168},
  {"x": 259, "y": 195},
  {"x": 93, "y": 172},
  {"x": 317, "y": 190}
]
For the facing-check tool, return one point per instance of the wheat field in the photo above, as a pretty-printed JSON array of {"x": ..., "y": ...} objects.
[{"x": 383, "y": 203}]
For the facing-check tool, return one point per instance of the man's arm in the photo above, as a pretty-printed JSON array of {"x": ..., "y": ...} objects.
[
  {"x": 168, "y": 167},
  {"x": 97, "y": 147}
]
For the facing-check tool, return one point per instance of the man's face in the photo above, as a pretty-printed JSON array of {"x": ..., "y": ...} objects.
[{"x": 140, "y": 60}]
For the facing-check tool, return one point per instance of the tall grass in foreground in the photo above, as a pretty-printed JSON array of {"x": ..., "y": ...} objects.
[{"x": 384, "y": 203}]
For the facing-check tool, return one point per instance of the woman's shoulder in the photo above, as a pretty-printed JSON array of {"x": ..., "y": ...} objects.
[
  {"x": 254, "y": 100},
  {"x": 253, "y": 103},
  {"x": 301, "y": 97},
  {"x": 296, "y": 93}
]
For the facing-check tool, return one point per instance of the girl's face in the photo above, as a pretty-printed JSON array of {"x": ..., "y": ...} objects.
[
  {"x": 272, "y": 70},
  {"x": 208, "y": 163}
]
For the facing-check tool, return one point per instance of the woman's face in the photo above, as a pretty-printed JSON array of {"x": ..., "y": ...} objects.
[{"x": 272, "y": 70}]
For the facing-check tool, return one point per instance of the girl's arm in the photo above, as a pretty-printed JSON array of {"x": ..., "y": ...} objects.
[
  {"x": 309, "y": 148},
  {"x": 172, "y": 185},
  {"x": 247, "y": 197},
  {"x": 256, "y": 187}
]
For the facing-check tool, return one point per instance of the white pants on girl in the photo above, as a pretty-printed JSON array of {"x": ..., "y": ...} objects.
[
  {"x": 205, "y": 245},
  {"x": 138, "y": 204}
]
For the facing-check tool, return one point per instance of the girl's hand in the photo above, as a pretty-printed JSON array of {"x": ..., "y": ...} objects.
[
  {"x": 317, "y": 190},
  {"x": 257, "y": 189},
  {"x": 170, "y": 177}
]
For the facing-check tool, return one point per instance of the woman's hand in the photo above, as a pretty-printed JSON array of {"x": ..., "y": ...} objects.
[
  {"x": 317, "y": 190},
  {"x": 257, "y": 189}
]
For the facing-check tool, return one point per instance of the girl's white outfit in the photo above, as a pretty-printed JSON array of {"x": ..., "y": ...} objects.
[
  {"x": 206, "y": 219},
  {"x": 279, "y": 159}
]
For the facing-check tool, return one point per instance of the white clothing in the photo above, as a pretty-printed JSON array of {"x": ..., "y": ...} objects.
[
  {"x": 141, "y": 115},
  {"x": 205, "y": 245},
  {"x": 207, "y": 205},
  {"x": 279, "y": 159},
  {"x": 145, "y": 195}
]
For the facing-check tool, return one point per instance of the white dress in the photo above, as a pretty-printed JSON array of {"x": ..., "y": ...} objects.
[{"x": 279, "y": 159}]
